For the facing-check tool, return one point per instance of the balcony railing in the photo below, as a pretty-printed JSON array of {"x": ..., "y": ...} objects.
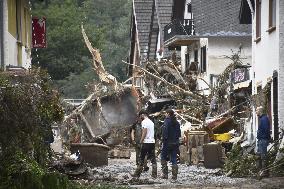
[{"x": 179, "y": 27}]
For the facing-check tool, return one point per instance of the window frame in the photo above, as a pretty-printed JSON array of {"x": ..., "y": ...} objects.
[
  {"x": 189, "y": 8},
  {"x": 187, "y": 60},
  {"x": 258, "y": 20},
  {"x": 203, "y": 59},
  {"x": 272, "y": 16},
  {"x": 195, "y": 55}
]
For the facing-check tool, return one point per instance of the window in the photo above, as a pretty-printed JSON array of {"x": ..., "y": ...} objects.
[
  {"x": 195, "y": 55},
  {"x": 189, "y": 8},
  {"x": 203, "y": 59},
  {"x": 272, "y": 14},
  {"x": 12, "y": 21},
  {"x": 213, "y": 80},
  {"x": 258, "y": 19},
  {"x": 187, "y": 59}
]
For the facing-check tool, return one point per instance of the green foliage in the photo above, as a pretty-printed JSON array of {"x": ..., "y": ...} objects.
[
  {"x": 66, "y": 58},
  {"x": 19, "y": 171},
  {"x": 276, "y": 168},
  {"x": 28, "y": 107},
  {"x": 239, "y": 164},
  {"x": 66, "y": 52},
  {"x": 74, "y": 86}
]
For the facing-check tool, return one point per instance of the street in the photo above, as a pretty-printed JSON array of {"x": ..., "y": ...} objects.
[{"x": 119, "y": 172}]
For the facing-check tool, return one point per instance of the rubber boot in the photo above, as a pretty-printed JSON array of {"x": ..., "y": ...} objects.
[
  {"x": 145, "y": 166},
  {"x": 174, "y": 172},
  {"x": 258, "y": 163},
  {"x": 264, "y": 171},
  {"x": 154, "y": 171},
  {"x": 164, "y": 169},
  {"x": 138, "y": 171}
]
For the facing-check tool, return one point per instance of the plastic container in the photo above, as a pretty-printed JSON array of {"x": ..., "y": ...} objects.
[{"x": 225, "y": 137}]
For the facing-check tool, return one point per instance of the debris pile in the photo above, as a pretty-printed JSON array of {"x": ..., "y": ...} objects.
[
  {"x": 222, "y": 116},
  {"x": 225, "y": 113},
  {"x": 103, "y": 119}
]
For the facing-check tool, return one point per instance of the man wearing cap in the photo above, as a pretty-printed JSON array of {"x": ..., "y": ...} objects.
[{"x": 148, "y": 145}]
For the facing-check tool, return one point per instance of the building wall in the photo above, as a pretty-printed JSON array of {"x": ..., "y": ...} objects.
[
  {"x": 266, "y": 58},
  {"x": 217, "y": 50},
  {"x": 281, "y": 64},
  {"x": 17, "y": 45},
  {"x": 5, "y": 28}
]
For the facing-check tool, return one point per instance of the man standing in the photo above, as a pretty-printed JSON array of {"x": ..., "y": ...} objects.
[
  {"x": 263, "y": 137},
  {"x": 148, "y": 145},
  {"x": 136, "y": 133},
  {"x": 170, "y": 148}
]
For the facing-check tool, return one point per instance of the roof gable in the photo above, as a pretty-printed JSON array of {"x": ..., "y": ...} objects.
[{"x": 218, "y": 18}]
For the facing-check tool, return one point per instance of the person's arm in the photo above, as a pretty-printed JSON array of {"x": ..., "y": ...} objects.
[
  {"x": 165, "y": 130},
  {"x": 144, "y": 132},
  {"x": 179, "y": 131},
  {"x": 132, "y": 134}
]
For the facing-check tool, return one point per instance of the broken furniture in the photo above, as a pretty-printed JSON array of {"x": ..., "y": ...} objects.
[
  {"x": 194, "y": 145},
  {"x": 117, "y": 110},
  {"x": 92, "y": 153}
]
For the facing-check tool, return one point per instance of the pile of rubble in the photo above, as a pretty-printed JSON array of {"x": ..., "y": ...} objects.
[{"x": 211, "y": 124}]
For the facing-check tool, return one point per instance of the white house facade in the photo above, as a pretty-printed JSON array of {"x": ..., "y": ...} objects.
[
  {"x": 267, "y": 62},
  {"x": 207, "y": 45}
]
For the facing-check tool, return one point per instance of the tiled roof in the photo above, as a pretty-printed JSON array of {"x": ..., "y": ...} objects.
[
  {"x": 154, "y": 37},
  {"x": 164, "y": 13},
  {"x": 218, "y": 18},
  {"x": 143, "y": 12}
]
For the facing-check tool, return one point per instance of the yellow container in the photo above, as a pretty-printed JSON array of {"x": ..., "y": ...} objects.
[{"x": 222, "y": 137}]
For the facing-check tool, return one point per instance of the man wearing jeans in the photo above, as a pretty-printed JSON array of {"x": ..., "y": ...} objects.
[
  {"x": 171, "y": 135},
  {"x": 263, "y": 137},
  {"x": 148, "y": 145}
]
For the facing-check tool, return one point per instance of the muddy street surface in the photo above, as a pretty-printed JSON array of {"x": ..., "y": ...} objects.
[{"x": 119, "y": 172}]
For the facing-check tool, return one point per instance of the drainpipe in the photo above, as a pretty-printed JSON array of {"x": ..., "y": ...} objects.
[
  {"x": 251, "y": 8},
  {"x": 254, "y": 128},
  {"x": 2, "y": 35}
]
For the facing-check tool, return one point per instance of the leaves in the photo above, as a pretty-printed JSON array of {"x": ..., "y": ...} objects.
[{"x": 28, "y": 107}]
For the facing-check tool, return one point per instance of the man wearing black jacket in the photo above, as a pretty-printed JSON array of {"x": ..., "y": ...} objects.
[{"x": 170, "y": 139}]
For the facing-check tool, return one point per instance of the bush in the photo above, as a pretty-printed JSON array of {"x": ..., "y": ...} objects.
[
  {"x": 240, "y": 164},
  {"x": 28, "y": 108}
]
